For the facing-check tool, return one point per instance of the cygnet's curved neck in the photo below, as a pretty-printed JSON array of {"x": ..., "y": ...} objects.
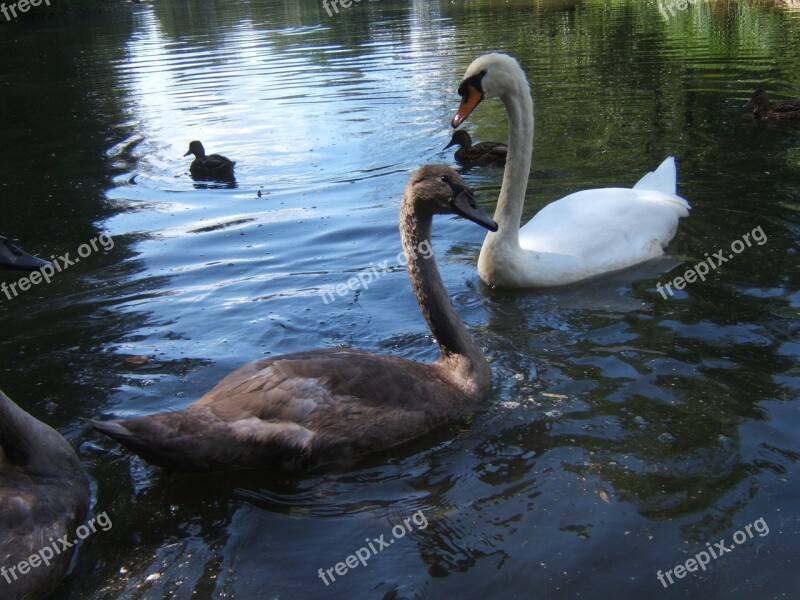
[
  {"x": 445, "y": 325},
  {"x": 15, "y": 431},
  {"x": 510, "y": 203},
  {"x": 27, "y": 442}
]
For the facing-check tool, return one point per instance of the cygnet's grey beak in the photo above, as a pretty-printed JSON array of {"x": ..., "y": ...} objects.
[{"x": 465, "y": 205}]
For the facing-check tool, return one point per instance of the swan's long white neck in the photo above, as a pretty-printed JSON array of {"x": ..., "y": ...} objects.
[{"x": 508, "y": 214}]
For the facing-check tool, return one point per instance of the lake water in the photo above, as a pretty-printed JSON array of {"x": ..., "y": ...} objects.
[{"x": 626, "y": 432}]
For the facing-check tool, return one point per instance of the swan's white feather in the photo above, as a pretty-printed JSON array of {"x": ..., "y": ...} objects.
[
  {"x": 663, "y": 179},
  {"x": 601, "y": 230}
]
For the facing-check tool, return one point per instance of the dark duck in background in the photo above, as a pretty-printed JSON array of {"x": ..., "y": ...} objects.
[{"x": 209, "y": 167}]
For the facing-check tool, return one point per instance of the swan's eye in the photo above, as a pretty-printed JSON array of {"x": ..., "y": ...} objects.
[{"x": 474, "y": 81}]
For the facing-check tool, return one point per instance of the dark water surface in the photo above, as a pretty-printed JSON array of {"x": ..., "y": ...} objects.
[{"x": 625, "y": 431}]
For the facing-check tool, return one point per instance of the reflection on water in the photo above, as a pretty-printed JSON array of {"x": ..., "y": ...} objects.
[{"x": 625, "y": 430}]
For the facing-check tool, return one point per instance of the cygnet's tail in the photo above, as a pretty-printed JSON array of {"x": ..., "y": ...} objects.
[{"x": 195, "y": 440}]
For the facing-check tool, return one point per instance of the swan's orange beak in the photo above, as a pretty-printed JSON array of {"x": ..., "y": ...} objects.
[{"x": 470, "y": 99}]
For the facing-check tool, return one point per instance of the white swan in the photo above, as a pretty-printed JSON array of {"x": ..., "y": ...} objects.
[{"x": 582, "y": 235}]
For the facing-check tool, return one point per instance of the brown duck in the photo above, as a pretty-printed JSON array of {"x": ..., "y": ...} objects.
[
  {"x": 209, "y": 167},
  {"x": 781, "y": 111},
  {"x": 482, "y": 153}
]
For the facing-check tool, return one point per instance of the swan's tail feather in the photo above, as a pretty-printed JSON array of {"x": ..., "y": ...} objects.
[
  {"x": 196, "y": 440},
  {"x": 663, "y": 179}
]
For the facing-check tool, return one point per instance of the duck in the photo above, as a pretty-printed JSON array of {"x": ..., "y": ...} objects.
[
  {"x": 333, "y": 405},
  {"x": 212, "y": 167},
  {"x": 482, "y": 153},
  {"x": 12, "y": 257},
  {"x": 759, "y": 102},
  {"x": 581, "y": 236},
  {"x": 44, "y": 497}
]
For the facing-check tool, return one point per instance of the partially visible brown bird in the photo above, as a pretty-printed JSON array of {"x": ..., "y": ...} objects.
[
  {"x": 44, "y": 497},
  {"x": 482, "y": 153},
  {"x": 781, "y": 111}
]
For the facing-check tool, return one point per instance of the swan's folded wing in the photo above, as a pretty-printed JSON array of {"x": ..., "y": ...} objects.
[
  {"x": 16, "y": 511},
  {"x": 606, "y": 229},
  {"x": 304, "y": 407},
  {"x": 383, "y": 399},
  {"x": 291, "y": 386}
]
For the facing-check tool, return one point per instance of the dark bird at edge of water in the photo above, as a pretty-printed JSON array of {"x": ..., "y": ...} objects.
[
  {"x": 13, "y": 257},
  {"x": 781, "y": 111},
  {"x": 207, "y": 167}
]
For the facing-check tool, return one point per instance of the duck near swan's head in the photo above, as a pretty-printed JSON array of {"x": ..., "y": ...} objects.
[
  {"x": 482, "y": 153},
  {"x": 759, "y": 102},
  {"x": 460, "y": 138},
  {"x": 489, "y": 76}
]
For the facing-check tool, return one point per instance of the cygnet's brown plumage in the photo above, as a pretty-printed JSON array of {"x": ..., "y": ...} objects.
[
  {"x": 482, "y": 153},
  {"x": 44, "y": 496},
  {"x": 781, "y": 111},
  {"x": 335, "y": 404}
]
